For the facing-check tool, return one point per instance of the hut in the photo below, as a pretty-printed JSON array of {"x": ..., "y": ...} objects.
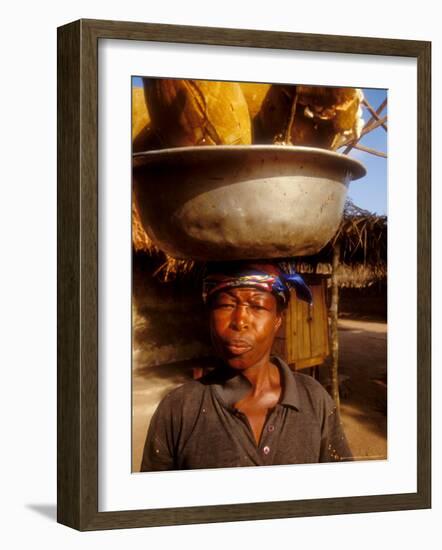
[{"x": 356, "y": 258}]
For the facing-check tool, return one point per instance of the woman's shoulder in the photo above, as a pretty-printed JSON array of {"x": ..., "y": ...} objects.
[
  {"x": 188, "y": 391},
  {"x": 190, "y": 394},
  {"x": 311, "y": 391},
  {"x": 193, "y": 387},
  {"x": 307, "y": 381}
]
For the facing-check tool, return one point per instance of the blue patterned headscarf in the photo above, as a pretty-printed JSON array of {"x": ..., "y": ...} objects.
[{"x": 270, "y": 277}]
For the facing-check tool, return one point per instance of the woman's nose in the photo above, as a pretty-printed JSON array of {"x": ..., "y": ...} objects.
[{"x": 240, "y": 318}]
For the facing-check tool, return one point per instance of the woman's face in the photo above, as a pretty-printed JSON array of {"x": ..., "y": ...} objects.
[{"x": 243, "y": 325}]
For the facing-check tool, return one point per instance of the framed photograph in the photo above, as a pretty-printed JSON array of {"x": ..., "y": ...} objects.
[{"x": 148, "y": 434}]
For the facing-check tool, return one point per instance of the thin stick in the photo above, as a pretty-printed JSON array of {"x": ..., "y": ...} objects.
[
  {"x": 369, "y": 150},
  {"x": 288, "y": 132},
  {"x": 334, "y": 337},
  {"x": 366, "y": 129},
  {"x": 375, "y": 114},
  {"x": 371, "y": 120},
  {"x": 380, "y": 122}
]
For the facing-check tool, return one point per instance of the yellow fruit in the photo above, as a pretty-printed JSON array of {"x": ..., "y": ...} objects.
[
  {"x": 339, "y": 106},
  {"x": 254, "y": 94},
  {"x": 323, "y": 117},
  {"x": 146, "y": 140},
  {"x": 270, "y": 124},
  {"x": 140, "y": 114},
  {"x": 327, "y": 102},
  {"x": 311, "y": 133},
  {"x": 197, "y": 112}
]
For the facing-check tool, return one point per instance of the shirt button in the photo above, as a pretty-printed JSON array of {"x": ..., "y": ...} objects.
[
  {"x": 271, "y": 428},
  {"x": 266, "y": 450}
]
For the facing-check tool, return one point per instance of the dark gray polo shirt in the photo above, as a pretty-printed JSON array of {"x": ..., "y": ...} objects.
[{"x": 197, "y": 426}]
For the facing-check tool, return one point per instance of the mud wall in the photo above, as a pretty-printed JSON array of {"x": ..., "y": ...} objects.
[
  {"x": 360, "y": 303},
  {"x": 168, "y": 319}
]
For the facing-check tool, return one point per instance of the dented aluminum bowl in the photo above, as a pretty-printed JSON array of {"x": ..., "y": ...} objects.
[{"x": 242, "y": 202}]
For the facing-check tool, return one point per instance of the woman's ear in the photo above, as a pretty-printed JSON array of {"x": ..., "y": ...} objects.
[{"x": 279, "y": 321}]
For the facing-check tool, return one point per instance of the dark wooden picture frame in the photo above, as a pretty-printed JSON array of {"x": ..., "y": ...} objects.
[{"x": 77, "y": 225}]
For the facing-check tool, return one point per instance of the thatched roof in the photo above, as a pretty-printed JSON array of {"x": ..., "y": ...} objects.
[{"x": 362, "y": 237}]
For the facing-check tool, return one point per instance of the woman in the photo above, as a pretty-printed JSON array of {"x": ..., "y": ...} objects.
[{"x": 252, "y": 409}]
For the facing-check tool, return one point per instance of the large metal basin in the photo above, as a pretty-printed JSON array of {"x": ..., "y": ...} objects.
[{"x": 242, "y": 202}]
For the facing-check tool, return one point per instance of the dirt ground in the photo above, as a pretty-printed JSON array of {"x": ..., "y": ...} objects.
[
  {"x": 363, "y": 386},
  {"x": 363, "y": 375}
]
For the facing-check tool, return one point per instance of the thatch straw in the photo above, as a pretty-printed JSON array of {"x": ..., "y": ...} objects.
[
  {"x": 140, "y": 240},
  {"x": 363, "y": 236},
  {"x": 170, "y": 268}
]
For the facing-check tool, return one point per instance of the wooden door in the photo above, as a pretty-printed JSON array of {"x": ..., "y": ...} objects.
[{"x": 303, "y": 340}]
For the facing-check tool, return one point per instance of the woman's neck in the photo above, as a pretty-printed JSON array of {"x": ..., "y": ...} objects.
[{"x": 263, "y": 376}]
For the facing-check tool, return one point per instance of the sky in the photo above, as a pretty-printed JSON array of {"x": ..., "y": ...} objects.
[{"x": 369, "y": 192}]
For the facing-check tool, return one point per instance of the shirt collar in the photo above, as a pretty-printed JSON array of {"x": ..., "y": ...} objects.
[
  {"x": 290, "y": 393},
  {"x": 231, "y": 386}
]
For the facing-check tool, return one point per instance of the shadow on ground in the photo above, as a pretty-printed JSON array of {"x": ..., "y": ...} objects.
[
  {"x": 363, "y": 373},
  {"x": 47, "y": 510}
]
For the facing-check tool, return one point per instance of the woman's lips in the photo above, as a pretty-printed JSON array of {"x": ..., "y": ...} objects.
[{"x": 238, "y": 347}]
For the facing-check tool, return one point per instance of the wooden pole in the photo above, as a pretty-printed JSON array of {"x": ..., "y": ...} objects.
[
  {"x": 288, "y": 131},
  {"x": 365, "y": 130},
  {"x": 375, "y": 114},
  {"x": 370, "y": 127},
  {"x": 373, "y": 118},
  {"x": 370, "y": 150},
  {"x": 334, "y": 306}
]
